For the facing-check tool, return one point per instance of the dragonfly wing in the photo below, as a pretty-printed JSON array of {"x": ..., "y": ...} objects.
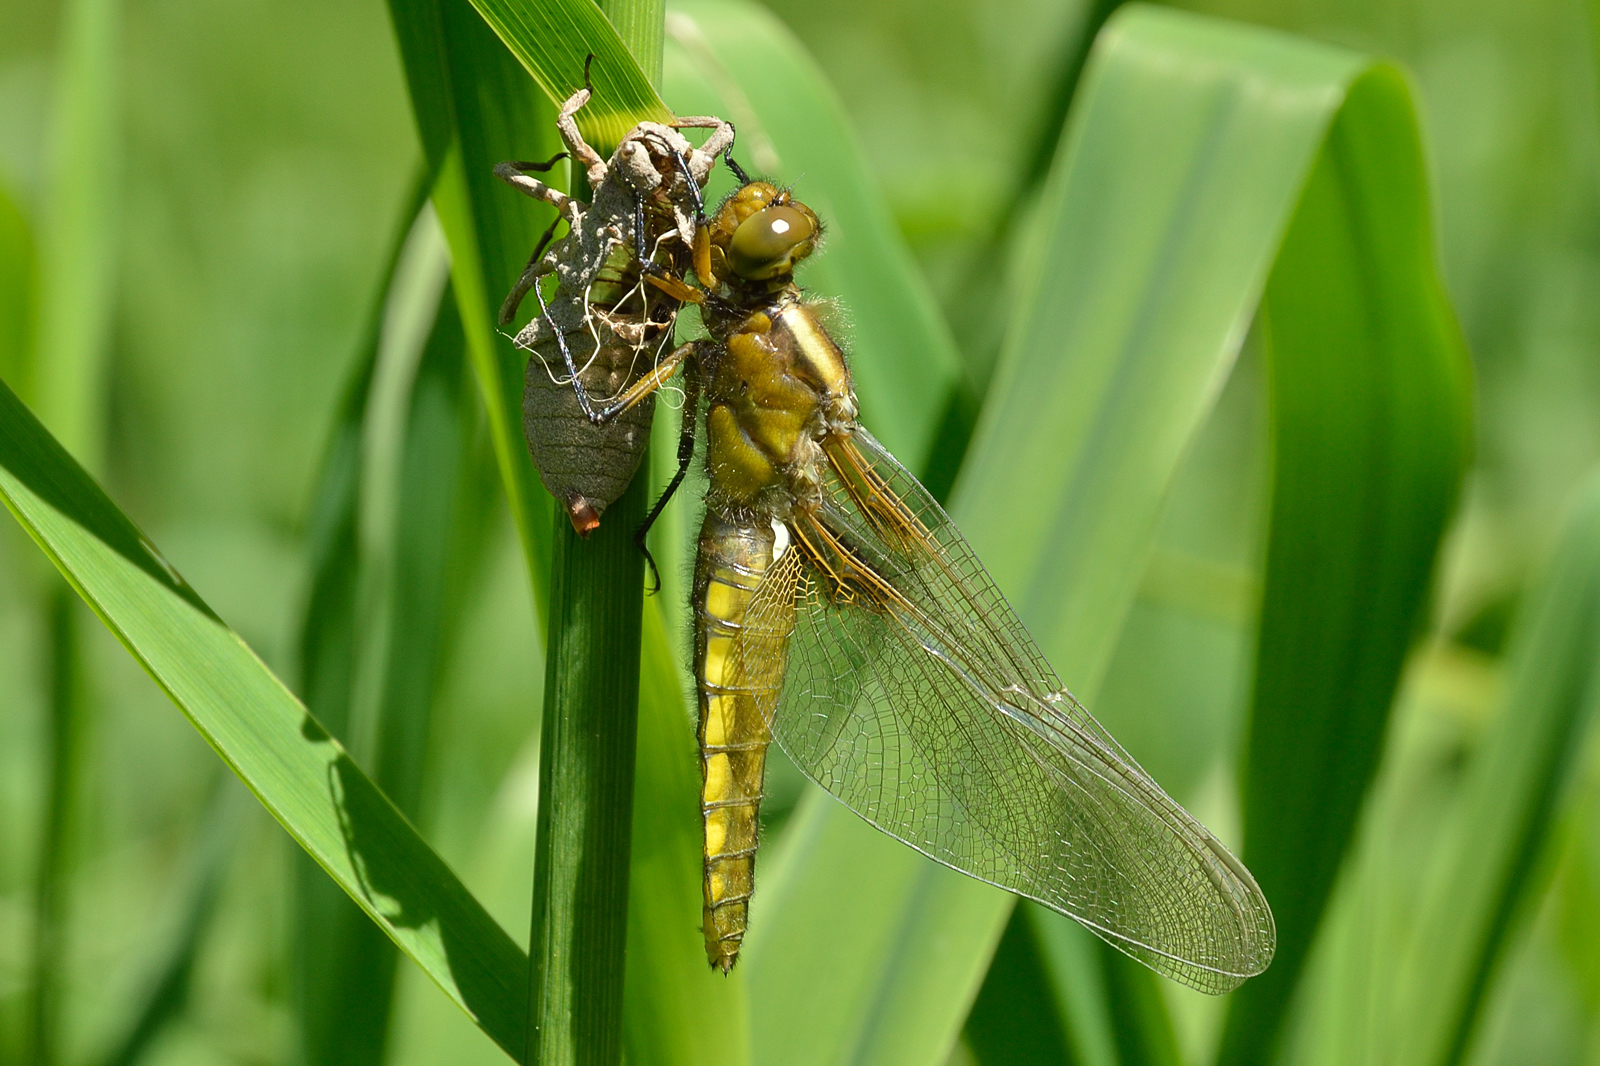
[{"x": 914, "y": 694}]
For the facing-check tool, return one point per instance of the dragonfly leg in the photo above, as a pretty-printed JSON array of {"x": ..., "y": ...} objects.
[
  {"x": 671, "y": 284},
  {"x": 644, "y": 387},
  {"x": 694, "y": 187},
  {"x": 691, "y": 404},
  {"x": 566, "y": 356}
]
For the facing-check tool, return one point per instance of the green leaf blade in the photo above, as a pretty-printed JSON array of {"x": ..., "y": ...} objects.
[
  {"x": 1493, "y": 842},
  {"x": 19, "y": 283},
  {"x": 1370, "y": 430},
  {"x": 553, "y": 39},
  {"x": 1176, "y": 179},
  {"x": 300, "y": 773}
]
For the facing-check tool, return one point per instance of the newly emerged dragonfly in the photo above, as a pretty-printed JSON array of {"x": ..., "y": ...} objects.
[
  {"x": 839, "y": 612},
  {"x": 603, "y": 328}
]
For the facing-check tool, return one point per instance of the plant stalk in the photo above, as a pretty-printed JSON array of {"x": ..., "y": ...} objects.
[
  {"x": 578, "y": 944},
  {"x": 63, "y": 822},
  {"x": 586, "y": 764},
  {"x": 67, "y": 379}
]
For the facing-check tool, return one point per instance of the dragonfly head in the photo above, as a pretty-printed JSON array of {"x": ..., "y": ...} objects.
[{"x": 760, "y": 234}]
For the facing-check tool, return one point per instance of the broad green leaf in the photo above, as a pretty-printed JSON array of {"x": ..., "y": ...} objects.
[
  {"x": 1493, "y": 841},
  {"x": 1186, "y": 160},
  {"x": 1370, "y": 417},
  {"x": 554, "y": 38},
  {"x": 1016, "y": 1018},
  {"x": 736, "y": 60},
  {"x": 301, "y": 774}
]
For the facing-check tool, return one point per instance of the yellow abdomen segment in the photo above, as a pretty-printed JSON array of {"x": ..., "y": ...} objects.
[{"x": 739, "y": 657}]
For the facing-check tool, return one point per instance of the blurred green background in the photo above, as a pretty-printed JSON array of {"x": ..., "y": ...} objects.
[{"x": 256, "y": 160}]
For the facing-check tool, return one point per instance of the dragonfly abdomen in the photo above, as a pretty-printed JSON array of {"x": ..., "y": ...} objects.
[{"x": 739, "y": 653}]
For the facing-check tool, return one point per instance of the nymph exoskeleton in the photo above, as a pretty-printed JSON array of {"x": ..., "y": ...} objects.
[{"x": 605, "y": 326}]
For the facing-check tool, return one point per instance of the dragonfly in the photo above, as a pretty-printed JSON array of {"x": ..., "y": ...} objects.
[
  {"x": 603, "y": 327},
  {"x": 839, "y": 612}
]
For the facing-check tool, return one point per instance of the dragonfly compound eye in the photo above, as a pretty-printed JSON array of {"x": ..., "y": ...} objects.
[{"x": 771, "y": 241}]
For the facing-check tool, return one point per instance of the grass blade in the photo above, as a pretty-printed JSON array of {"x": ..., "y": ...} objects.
[
  {"x": 1139, "y": 1019},
  {"x": 981, "y": 330},
  {"x": 1076, "y": 985},
  {"x": 461, "y": 80},
  {"x": 60, "y": 844},
  {"x": 355, "y": 964},
  {"x": 328, "y": 656},
  {"x": 553, "y": 40},
  {"x": 19, "y": 284},
  {"x": 1496, "y": 833},
  {"x": 476, "y": 107},
  {"x": 1015, "y": 1020},
  {"x": 586, "y": 771},
  {"x": 438, "y": 531},
  {"x": 67, "y": 385},
  {"x": 77, "y": 242},
  {"x": 1370, "y": 422},
  {"x": 1151, "y": 280},
  {"x": 300, "y": 773}
]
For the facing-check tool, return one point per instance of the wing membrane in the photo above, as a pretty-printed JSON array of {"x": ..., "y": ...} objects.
[{"x": 914, "y": 694}]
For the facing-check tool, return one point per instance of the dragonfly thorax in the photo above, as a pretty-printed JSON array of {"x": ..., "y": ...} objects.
[{"x": 775, "y": 388}]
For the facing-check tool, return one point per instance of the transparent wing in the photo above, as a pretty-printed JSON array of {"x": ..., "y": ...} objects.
[{"x": 913, "y": 693}]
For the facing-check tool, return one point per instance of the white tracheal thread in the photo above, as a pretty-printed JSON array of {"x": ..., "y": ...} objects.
[{"x": 588, "y": 321}]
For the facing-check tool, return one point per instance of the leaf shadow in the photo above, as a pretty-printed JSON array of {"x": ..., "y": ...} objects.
[{"x": 400, "y": 879}]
